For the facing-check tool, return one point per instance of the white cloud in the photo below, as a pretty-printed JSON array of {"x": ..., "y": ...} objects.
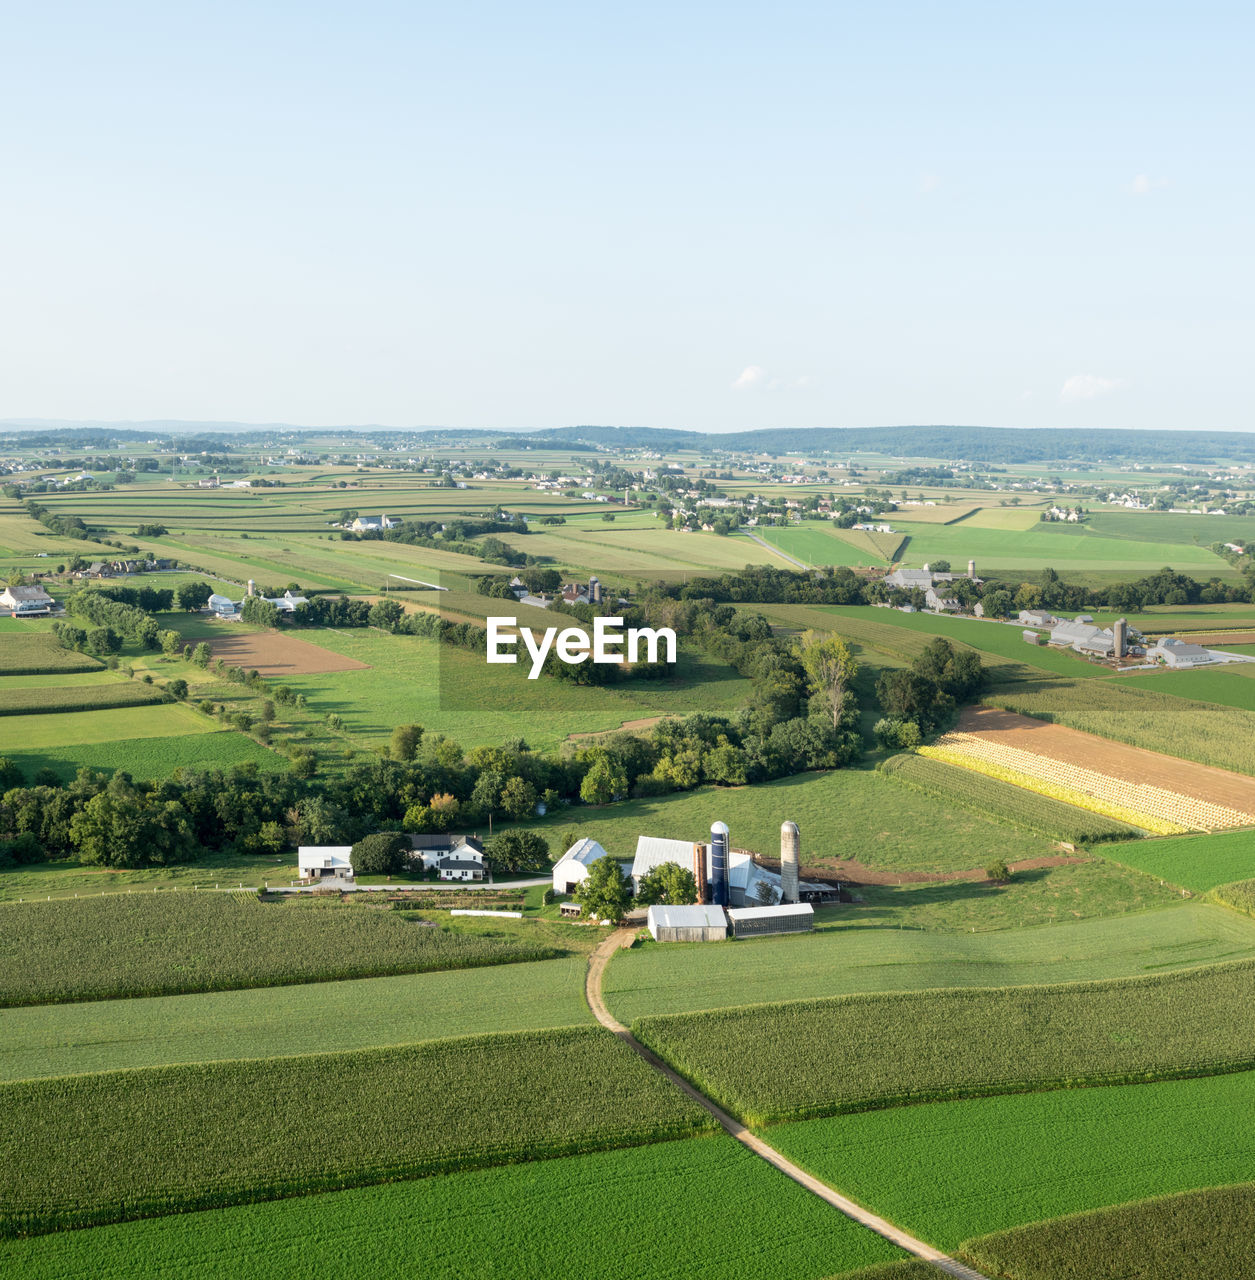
[
  {"x": 751, "y": 376},
  {"x": 755, "y": 378},
  {"x": 928, "y": 183},
  {"x": 1144, "y": 184},
  {"x": 1087, "y": 386}
]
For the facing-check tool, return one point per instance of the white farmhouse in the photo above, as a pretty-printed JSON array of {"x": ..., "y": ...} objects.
[{"x": 464, "y": 863}]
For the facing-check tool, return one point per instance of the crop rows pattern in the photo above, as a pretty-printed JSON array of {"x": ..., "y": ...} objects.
[{"x": 24, "y": 702}]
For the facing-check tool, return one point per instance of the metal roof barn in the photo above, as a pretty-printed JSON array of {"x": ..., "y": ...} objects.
[
  {"x": 687, "y": 924},
  {"x": 788, "y": 917}
]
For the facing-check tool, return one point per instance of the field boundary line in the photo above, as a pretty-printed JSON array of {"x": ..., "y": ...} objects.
[
  {"x": 622, "y": 938},
  {"x": 762, "y": 542}
]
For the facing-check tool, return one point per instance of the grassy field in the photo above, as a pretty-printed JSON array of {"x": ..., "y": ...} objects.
[
  {"x": 839, "y": 959},
  {"x": 1201, "y": 1234},
  {"x": 811, "y": 1058},
  {"x": 948, "y": 1171},
  {"x": 540, "y": 1221},
  {"x": 108, "y": 1035},
  {"x": 127, "y": 1144},
  {"x": 1200, "y": 731},
  {"x": 1006, "y": 803},
  {"x": 815, "y": 544},
  {"x": 144, "y": 945},
  {"x": 1198, "y": 862},
  {"x": 1232, "y": 686},
  {"x": 452, "y": 691},
  {"x": 881, "y": 823}
]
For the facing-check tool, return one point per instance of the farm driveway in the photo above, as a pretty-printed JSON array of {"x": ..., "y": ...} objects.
[{"x": 621, "y": 938}]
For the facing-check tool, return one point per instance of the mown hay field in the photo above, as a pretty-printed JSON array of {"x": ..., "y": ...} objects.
[
  {"x": 539, "y": 1221},
  {"x": 949, "y": 1171},
  {"x": 815, "y": 544},
  {"x": 1003, "y": 801},
  {"x": 797, "y": 1060},
  {"x": 842, "y": 959},
  {"x": 1204, "y": 1235},
  {"x": 1230, "y": 686},
  {"x": 127, "y": 1144},
  {"x": 141, "y": 945},
  {"x": 267, "y": 1022}
]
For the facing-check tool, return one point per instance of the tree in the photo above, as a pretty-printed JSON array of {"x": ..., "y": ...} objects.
[
  {"x": 385, "y": 615},
  {"x": 171, "y": 642},
  {"x": 201, "y": 654},
  {"x": 605, "y": 892},
  {"x": 104, "y": 640},
  {"x": 831, "y": 668},
  {"x": 405, "y": 740},
  {"x": 383, "y": 854},
  {"x": 668, "y": 882},
  {"x": 604, "y": 782},
  {"x": 998, "y": 871},
  {"x": 515, "y": 851},
  {"x": 518, "y": 799},
  {"x": 192, "y": 595},
  {"x": 178, "y": 688},
  {"x": 259, "y": 611}
]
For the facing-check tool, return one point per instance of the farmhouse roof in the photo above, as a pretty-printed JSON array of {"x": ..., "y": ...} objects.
[
  {"x": 446, "y": 842},
  {"x": 459, "y": 864}
]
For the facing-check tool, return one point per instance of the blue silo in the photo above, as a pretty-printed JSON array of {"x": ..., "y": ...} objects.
[{"x": 719, "y": 864}]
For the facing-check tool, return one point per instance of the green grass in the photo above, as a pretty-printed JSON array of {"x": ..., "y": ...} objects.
[
  {"x": 108, "y": 1035},
  {"x": 882, "y": 824},
  {"x": 65, "y": 699},
  {"x": 1232, "y": 686},
  {"x": 1204, "y": 1235},
  {"x": 948, "y": 1171},
  {"x": 144, "y": 945},
  {"x": 73, "y": 729},
  {"x": 1198, "y": 862},
  {"x": 842, "y": 960},
  {"x": 1001, "y": 800},
  {"x": 1199, "y": 731},
  {"x": 104, "y": 1148},
  {"x": 151, "y": 758},
  {"x": 817, "y": 545},
  {"x": 605, "y": 1213},
  {"x": 795, "y": 1060},
  {"x": 27, "y": 651}
]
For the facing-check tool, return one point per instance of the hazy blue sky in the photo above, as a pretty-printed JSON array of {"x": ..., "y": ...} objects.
[{"x": 715, "y": 216}]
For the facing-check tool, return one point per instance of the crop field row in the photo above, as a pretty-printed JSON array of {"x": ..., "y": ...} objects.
[
  {"x": 143, "y": 945},
  {"x": 540, "y": 1221},
  {"x": 818, "y": 545},
  {"x": 269, "y": 1022},
  {"x": 1003, "y": 801},
  {"x": 48, "y": 699},
  {"x": 1230, "y": 686},
  {"x": 950, "y": 1171},
  {"x": 802, "y": 1059},
  {"x": 1201, "y": 1234},
  {"x": 1143, "y": 717},
  {"x": 1198, "y": 862},
  {"x": 842, "y": 957},
  {"x": 127, "y": 1144},
  {"x": 30, "y": 652}
]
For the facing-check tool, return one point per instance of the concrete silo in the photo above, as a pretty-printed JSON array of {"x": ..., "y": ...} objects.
[
  {"x": 790, "y": 846},
  {"x": 1120, "y": 634},
  {"x": 719, "y": 864},
  {"x": 971, "y": 568}
]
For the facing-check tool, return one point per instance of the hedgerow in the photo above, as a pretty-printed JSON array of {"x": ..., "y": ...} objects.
[
  {"x": 795, "y": 1060},
  {"x": 149, "y": 944},
  {"x": 130, "y": 1144}
]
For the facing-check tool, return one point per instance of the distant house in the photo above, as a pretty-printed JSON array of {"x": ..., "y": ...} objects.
[
  {"x": 325, "y": 861},
  {"x": 26, "y": 601},
  {"x": 431, "y": 850},
  {"x": 287, "y": 602},
  {"x": 97, "y": 569},
  {"x": 909, "y": 579},
  {"x": 365, "y": 523},
  {"x": 571, "y": 870},
  {"x": 1036, "y": 618},
  {"x": 938, "y": 600}
]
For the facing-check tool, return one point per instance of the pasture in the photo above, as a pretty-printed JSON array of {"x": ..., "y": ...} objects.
[
  {"x": 1230, "y": 686},
  {"x": 802, "y": 1059},
  {"x": 845, "y": 959},
  {"x": 949, "y": 1171},
  {"x": 269, "y": 1022},
  {"x": 538, "y": 1221},
  {"x": 141, "y": 945},
  {"x": 116, "y": 1145},
  {"x": 1199, "y": 862}
]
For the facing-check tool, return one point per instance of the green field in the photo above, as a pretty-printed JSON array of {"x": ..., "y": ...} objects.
[
  {"x": 108, "y": 1035},
  {"x": 881, "y": 823},
  {"x": 1204, "y": 1235},
  {"x": 127, "y": 1144},
  {"x": 26, "y": 651},
  {"x": 1002, "y": 801},
  {"x": 818, "y": 545},
  {"x": 63, "y": 699},
  {"x": 1200, "y": 731},
  {"x": 143, "y": 945},
  {"x": 563, "y": 1219},
  {"x": 948, "y": 1171},
  {"x": 1232, "y": 686},
  {"x": 81, "y": 728},
  {"x": 1199, "y": 862},
  {"x": 839, "y": 960},
  {"x": 800, "y": 1059}
]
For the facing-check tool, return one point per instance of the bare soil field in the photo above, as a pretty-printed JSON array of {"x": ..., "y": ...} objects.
[
  {"x": 1115, "y": 759},
  {"x": 274, "y": 654}
]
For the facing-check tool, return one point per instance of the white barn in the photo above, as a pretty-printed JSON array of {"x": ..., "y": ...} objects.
[
  {"x": 320, "y": 861},
  {"x": 571, "y": 870}
]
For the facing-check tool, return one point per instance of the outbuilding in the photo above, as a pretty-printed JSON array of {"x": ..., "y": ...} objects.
[
  {"x": 321, "y": 861},
  {"x": 787, "y": 917},
  {"x": 687, "y": 923},
  {"x": 571, "y": 870}
]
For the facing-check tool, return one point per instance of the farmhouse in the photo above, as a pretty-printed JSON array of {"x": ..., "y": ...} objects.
[
  {"x": 431, "y": 850},
  {"x": 365, "y": 523},
  {"x": 287, "y": 602},
  {"x": 1037, "y": 618},
  {"x": 464, "y": 863},
  {"x": 571, "y": 870},
  {"x": 26, "y": 600},
  {"x": 323, "y": 861}
]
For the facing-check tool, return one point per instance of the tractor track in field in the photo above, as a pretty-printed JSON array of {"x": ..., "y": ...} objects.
[{"x": 621, "y": 938}]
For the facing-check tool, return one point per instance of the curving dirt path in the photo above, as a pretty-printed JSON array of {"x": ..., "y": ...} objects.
[{"x": 621, "y": 938}]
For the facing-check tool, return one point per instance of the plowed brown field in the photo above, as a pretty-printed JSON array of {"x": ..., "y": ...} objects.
[
  {"x": 274, "y": 654},
  {"x": 1132, "y": 764}
]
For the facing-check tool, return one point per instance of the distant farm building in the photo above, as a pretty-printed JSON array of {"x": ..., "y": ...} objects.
[
  {"x": 364, "y": 524},
  {"x": 687, "y": 923},
  {"x": 222, "y": 606},
  {"x": 430, "y": 851},
  {"x": 1180, "y": 654},
  {"x": 26, "y": 601},
  {"x": 325, "y": 861}
]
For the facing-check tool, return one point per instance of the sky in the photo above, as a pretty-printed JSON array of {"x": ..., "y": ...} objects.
[{"x": 711, "y": 217}]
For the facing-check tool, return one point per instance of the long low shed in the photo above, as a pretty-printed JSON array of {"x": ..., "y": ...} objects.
[
  {"x": 687, "y": 923},
  {"x": 788, "y": 917}
]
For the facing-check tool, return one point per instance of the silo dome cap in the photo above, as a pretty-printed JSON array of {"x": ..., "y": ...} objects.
[
  {"x": 718, "y": 828},
  {"x": 789, "y": 827}
]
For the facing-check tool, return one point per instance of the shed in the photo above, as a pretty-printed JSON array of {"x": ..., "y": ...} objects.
[
  {"x": 318, "y": 861},
  {"x": 787, "y": 917},
  {"x": 687, "y": 924}
]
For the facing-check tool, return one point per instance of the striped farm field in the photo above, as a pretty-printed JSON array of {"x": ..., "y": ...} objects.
[
  {"x": 1158, "y": 793},
  {"x": 67, "y": 698}
]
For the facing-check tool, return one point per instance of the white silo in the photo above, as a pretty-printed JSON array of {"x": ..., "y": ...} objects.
[{"x": 790, "y": 846}]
